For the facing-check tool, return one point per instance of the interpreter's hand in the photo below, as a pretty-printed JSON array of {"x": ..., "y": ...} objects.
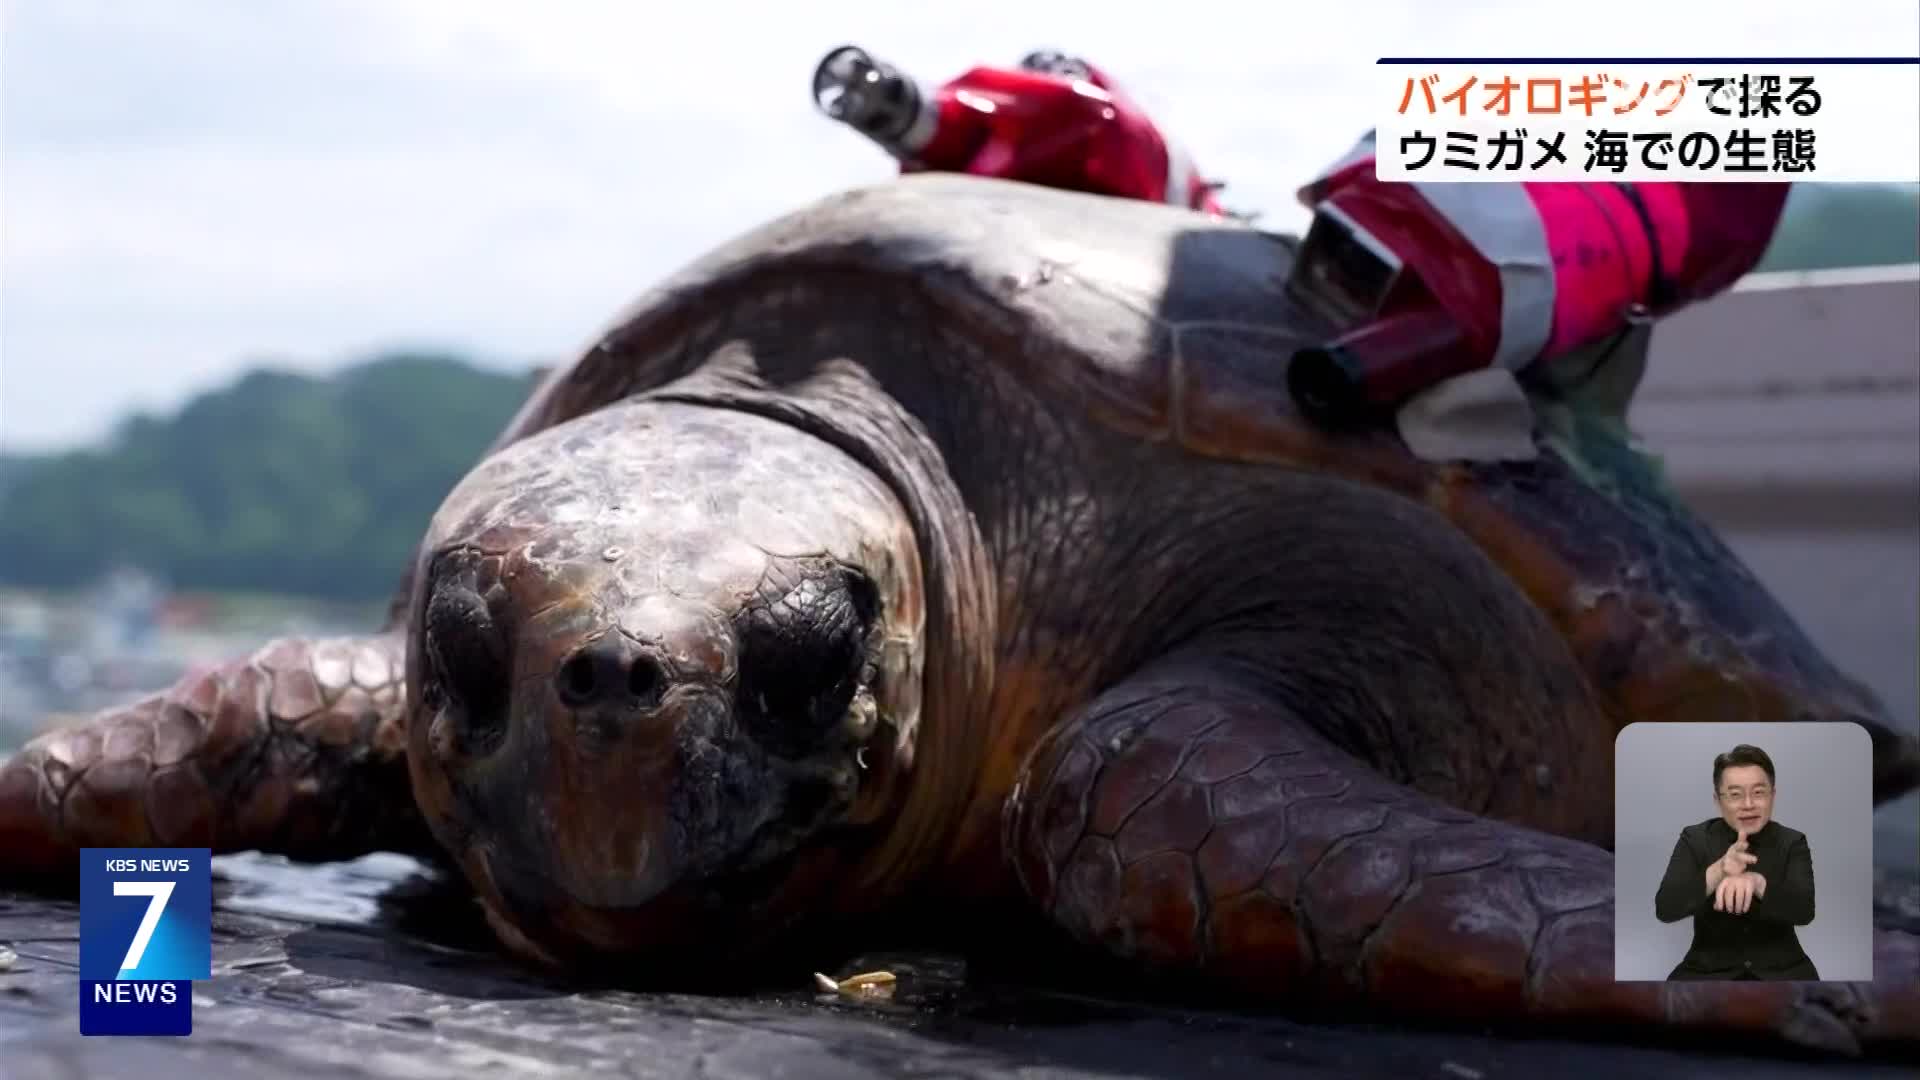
[
  {"x": 1735, "y": 894},
  {"x": 1736, "y": 860}
]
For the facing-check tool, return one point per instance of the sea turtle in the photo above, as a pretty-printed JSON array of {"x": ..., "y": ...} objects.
[{"x": 952, "y": 547}]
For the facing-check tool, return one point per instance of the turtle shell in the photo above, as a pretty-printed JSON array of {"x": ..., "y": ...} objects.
[{"x": 1173, "y": 327}]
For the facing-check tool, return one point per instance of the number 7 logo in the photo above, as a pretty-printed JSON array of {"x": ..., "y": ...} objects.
[{"x": 157, "y": 893}]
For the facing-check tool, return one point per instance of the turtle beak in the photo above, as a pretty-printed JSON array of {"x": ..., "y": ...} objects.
[{"x": 628, "y": 784}]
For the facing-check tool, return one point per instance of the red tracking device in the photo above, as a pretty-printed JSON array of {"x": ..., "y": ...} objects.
[
  {"x": 1428, "y": 281},
  {"x": 1423, "y": 281},
  {"x": 1053, "y": 120}
]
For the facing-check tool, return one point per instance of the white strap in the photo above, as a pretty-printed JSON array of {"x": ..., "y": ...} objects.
[
  {"x": 1500, "y": 221},
  {"x": 1179, "y": 175}
]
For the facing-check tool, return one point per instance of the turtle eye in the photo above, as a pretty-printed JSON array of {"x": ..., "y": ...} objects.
[
  {"x": 801, "y": 656},
  {"x": 469, "y": 664}
]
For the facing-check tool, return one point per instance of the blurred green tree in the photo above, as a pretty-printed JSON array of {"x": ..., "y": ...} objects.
[
  {"x": 278, "y": 482},
  {"x": 1828, "y": 225}
]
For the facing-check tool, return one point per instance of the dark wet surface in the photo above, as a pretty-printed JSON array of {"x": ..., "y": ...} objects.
[{"x": 371, "y": 968}]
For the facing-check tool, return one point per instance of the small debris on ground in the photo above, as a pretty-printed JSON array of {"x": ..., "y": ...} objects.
[
  {"x": 871, "y": 984},
  {"x": 7, "y": 958},
  {"x": 1464, "y": 1072}
]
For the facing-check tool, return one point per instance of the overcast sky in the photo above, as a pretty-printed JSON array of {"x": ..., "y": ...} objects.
[{"x": 190, "y": 187}]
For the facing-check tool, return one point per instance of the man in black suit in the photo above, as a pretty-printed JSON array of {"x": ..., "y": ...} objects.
[{"x": 1746, "y": 880}]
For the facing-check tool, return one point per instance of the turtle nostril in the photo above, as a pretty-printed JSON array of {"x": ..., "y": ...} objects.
[
  {"x": 579, "y": 680},
  {"x": 644, "y": 679},
  {"x": 609, "y": 672}
]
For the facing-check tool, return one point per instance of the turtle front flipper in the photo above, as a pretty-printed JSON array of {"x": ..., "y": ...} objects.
[
  {"x": 297, "y": 749},
  {"x": 1197, "y": 828}
]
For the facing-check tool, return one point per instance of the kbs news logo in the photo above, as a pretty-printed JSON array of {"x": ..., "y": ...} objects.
[{"x": 146, "y": 919}]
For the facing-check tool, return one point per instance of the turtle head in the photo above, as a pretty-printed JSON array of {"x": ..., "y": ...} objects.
[{"x": 666, "y": 665}]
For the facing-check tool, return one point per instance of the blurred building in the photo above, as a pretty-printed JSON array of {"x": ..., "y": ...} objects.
[{"x": 1788, "y": 411}]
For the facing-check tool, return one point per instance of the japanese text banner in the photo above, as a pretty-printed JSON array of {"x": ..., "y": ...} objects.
[{"x": 1729, "y": 120}]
